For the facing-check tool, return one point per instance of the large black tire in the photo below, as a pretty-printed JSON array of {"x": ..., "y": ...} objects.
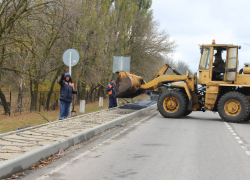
[
  {"x": 187, "y": 113},
  {"x": 234, "y": 107},
  {"x": 172, "y": 104},
  {"x": 248, "y": 117}
]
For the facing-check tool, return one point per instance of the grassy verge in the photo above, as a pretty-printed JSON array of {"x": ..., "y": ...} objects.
[{"x": 11, "y": 123}]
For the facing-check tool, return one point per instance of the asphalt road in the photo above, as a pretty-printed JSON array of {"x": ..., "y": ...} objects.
[{"x": 199, "y": 146}]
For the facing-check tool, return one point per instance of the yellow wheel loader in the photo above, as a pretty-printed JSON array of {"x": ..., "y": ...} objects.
[{"x": 225, "y": 90}]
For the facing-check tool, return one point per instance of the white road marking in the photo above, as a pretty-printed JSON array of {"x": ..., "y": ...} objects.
[
  {"x": 238, "y": 138},
  {"x": 58, "y": 168},
  {"x": 243, "y": 147}
]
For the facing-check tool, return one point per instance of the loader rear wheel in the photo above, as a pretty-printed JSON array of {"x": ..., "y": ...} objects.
[
  {"x": 172, "y": 104},
  {"x": 234, "y": 107}
]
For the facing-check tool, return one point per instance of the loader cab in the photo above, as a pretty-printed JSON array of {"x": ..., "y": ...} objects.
[{"x": 218, "y": 63}]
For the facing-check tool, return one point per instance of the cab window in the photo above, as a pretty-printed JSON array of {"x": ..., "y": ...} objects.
[
  {"x": 204, "y": 63},
  {"x": 231, "y": 61}
]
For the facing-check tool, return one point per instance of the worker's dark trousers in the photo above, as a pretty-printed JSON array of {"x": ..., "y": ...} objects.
[
  {"x": 112, "y": 102},
  {"x": 64, "y": 109}
]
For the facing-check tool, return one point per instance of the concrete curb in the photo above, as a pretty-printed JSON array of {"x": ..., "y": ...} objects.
[
  {"x": 26, "y": 160},
  {"x": 33, "y": 127}
]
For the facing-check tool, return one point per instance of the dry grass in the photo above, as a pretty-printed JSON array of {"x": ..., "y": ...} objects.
[{"x": 11, "y": 123}]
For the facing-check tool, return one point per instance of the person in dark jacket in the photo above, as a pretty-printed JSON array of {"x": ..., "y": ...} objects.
[
  {"x": 111, "y": 93},
  {"x": 66, "y": 91},
  {"x": 219, "y": 66}
]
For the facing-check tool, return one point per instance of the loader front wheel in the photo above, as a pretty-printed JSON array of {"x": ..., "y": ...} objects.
[
  {"x": 172, "y": 104},
  {"x": 234, "y": 107},
  {"x": 187, "y": 113}
]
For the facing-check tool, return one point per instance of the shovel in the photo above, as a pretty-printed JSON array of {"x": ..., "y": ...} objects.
[
  {"x": 44, "y": 117},
  {"x": 73, "y": 112}
]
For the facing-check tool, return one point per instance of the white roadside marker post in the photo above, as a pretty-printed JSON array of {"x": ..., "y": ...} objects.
[
  {"x": 82, "y": 107},
  {"x": 100, "y": 101}
]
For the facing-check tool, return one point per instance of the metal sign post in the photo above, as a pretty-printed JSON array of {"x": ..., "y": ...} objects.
[
  {"x": 70, "y": 63},
  {"x": 70, "y": 58}
]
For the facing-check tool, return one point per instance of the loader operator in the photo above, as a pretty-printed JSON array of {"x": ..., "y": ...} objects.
[
  {"x": 219, "y": 66},
  {"x": 111, "y": 93}
]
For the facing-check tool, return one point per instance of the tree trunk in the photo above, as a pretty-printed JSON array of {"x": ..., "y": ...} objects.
[
  {"x": 2, "y": 96},
  {"x": 79, "y": 93},
  {"x": 31, "y": 93},
  {"x": 90, "y": 96},
  {"x": 83, "y": 91},
  {"x": 34, "y": 96},
  {"x": 83, "y": 85},
  {"x": 101, "y": 91},
  {"x": 19, "y": 95},
  {"x": 94, "y": 92},
  {"x": 4, "y": 102},
  {"x": 52, "y": 86},
  {"x": 87, "y": 96}
]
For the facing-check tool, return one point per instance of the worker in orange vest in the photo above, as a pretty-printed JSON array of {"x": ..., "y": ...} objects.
[{"x": 111, "y": 93}]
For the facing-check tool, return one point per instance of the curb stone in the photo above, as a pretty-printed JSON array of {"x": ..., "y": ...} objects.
[
  {"x": 26, "y": 160},
  {"x": 34, "y": 127}
]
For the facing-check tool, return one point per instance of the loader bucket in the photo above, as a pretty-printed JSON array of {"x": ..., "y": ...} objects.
[{"x": 128, "y": 85}]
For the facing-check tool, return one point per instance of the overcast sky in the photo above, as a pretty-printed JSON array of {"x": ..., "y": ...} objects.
[{"x": 193, "y": 22}]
